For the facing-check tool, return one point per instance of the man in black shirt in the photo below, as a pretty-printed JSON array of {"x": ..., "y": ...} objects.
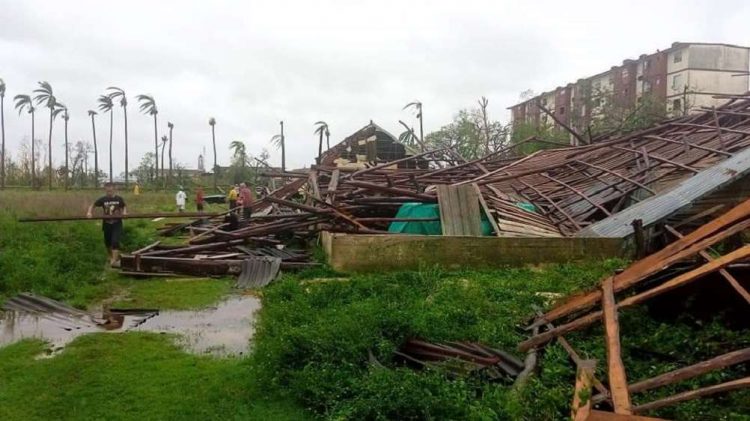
[{"x": 113, "y": 205}]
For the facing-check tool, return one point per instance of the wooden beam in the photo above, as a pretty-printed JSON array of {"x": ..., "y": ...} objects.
[
  {"x": 151, "y": 215},
  {"x": 147, "y": 248},
  {"x": 723, "y": 272},
  {"x": 581, "y": 408},
  {"x": 486, "y": 209},
  {"x": 743, "y": 383},
  {"x": 681, "y": 280},
  {"x": 618, "y": 384},
  {"x": 714, "y": 231},
  {"x": 689, "y": 372}
]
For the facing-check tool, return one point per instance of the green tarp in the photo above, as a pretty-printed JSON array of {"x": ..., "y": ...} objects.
[{"x": 424, "y": 210}]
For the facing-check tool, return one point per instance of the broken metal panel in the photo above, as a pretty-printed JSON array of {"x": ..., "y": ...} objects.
[
  {"x": 683, "y": 195},
  {"x": 258, "y": 272}
]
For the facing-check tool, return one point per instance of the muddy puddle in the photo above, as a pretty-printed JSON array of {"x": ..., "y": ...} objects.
[{"x": 225, "y": 329}]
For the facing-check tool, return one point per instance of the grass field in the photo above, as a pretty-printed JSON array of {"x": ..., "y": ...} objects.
[{"x": 314, "y": 336}]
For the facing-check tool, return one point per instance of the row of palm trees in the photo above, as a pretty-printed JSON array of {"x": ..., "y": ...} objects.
[{"x": 44, "y": 96}]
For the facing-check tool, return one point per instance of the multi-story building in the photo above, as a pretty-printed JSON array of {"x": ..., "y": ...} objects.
[{"x": 682, "y": 78}]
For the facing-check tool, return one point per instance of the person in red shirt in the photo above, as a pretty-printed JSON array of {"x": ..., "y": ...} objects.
[
  {"x": 199, "y": 199},
  {"x": 247, "y": 201}
]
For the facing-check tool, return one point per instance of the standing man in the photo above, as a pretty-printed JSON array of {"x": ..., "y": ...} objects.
[
  {"x": 247, "y": 201},
  {"x": 180, "y": 198},
  {"x": 232, "y": 197},
  {"x": 199, "y": 199},
  {"x": 113, "y": 205}
]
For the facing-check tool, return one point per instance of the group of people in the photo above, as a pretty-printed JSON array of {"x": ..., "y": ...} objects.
[{"x": 240, "y": 197}]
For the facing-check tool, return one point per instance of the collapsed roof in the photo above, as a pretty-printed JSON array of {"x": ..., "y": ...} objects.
[{"x": 576, "y": 190}]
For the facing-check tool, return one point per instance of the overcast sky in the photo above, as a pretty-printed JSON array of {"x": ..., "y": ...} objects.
[{"x": 250, "y": 64}]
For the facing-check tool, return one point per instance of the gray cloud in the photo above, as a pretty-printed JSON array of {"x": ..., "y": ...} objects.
[{"x": 251, "y": 64}]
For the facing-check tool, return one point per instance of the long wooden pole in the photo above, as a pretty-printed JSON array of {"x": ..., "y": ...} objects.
[{"x": 128, "y": 216}]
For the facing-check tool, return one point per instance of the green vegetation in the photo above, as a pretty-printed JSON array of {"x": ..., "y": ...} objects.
[
  {"x": 314, "y": 336},
  {"x": 175, "y": 294},
  {"x": 133, "y": 376},
  {"x": 313, "y": 341}
]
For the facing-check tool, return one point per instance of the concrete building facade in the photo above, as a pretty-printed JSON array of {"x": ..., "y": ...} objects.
[{"x": 681, "y": 79}]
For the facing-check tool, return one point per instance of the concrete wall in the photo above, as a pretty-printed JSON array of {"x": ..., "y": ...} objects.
[
  {"x": 717, "y": 57},
  {"x": 371, "y": 253}
]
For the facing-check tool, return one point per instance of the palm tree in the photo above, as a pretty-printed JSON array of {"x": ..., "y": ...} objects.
[
  {"x": 24, "y": 102},
  {"x": 321, "y": 130},
  {"x": 65, "y": 116},
  {"x": 418, "y": 106},
  {"x": 164, "y": 141},
  {"x": 239, "y": 151},
  {"x": 92, "y": 113},
  {"x": 106, "y": 105},
  {"x": 212, "y": 123},
  {"x": 2, "y": 133},
  {"x": 119, "y": 93},
  {"x": 148, "y": 106},
  {"x": 278, "y": 141},
  {"x": 46, "y": 96},
  {"x": 171, "y": 127}
]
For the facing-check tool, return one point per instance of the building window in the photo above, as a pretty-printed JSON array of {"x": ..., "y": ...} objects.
[
  {"x": 646, "y": 65},
  {"x": 647, "y": 85},
  {"x": 624, "y": 73},
  {"x": 676, "y": 82},
  {"x": 677, "y": 105},
  {"x": 677, "y": 56},
  {"x": 596, "y": 102},
  {"x": 562, "y": 110}
]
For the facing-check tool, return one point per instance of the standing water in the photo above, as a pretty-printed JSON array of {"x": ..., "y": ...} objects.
[{"x": 225, "y": 329}]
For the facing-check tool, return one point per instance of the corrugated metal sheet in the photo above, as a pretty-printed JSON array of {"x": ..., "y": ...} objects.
[
  {"x": 681, "y": 196},
  {"x": 258, "y": 272}
]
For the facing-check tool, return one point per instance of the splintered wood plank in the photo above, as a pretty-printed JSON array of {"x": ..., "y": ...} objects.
[
  {"x": 582, "y": 394},
  {"x": 618, "y": 384},
  {"x": 486, "y": 209},
  {"x": 459, "y": 210}
]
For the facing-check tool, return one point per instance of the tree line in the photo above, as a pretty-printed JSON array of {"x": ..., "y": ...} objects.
[{"x": 471, "y": 134}]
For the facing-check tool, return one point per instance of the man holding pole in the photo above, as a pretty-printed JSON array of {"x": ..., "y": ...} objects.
[{"x": 113, "y": 205}]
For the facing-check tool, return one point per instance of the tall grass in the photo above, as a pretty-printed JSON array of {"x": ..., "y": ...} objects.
[
  {"x": 63, "y": 260},
  {"x": 74, "y": 203}
]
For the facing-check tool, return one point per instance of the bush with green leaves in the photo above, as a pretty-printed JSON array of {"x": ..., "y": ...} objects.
[{"x": 316, "y": 333}]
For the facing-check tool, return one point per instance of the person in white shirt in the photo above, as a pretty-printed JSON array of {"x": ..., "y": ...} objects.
[{"x": 180, "y": 198}]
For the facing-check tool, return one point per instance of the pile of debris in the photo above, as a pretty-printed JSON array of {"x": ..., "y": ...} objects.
[
  {"x": 652, "y": 276},
  {"x": 680, "y": 172},
  {"x": 461, "y": 359}
]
